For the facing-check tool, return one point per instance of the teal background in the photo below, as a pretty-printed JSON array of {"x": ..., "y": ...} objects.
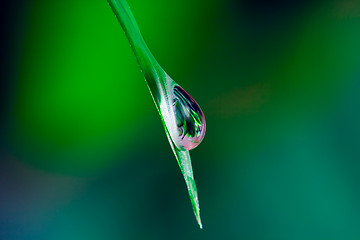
[{"x": 84, "y": 154}]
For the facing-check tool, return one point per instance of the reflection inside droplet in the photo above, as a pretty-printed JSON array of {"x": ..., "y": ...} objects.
[{"x": 190, "y": 120}]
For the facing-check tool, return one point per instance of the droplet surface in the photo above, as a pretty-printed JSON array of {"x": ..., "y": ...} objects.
[{"x": 190, "y": 120}]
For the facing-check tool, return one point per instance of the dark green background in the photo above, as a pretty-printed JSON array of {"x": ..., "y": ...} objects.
[{"x": 84, "y": 154}]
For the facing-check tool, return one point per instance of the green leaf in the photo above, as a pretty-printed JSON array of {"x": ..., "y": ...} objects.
[{"x": 182, "y": 137}]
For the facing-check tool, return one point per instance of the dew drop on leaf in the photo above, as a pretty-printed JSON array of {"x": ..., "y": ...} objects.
[{"x": 190, "y": 120}]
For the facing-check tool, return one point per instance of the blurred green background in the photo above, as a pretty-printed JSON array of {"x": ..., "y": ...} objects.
[{"x": 84, "y": 154}]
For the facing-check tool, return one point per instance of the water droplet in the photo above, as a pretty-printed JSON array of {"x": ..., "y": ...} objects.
[{"x": 190, "y": 120}]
